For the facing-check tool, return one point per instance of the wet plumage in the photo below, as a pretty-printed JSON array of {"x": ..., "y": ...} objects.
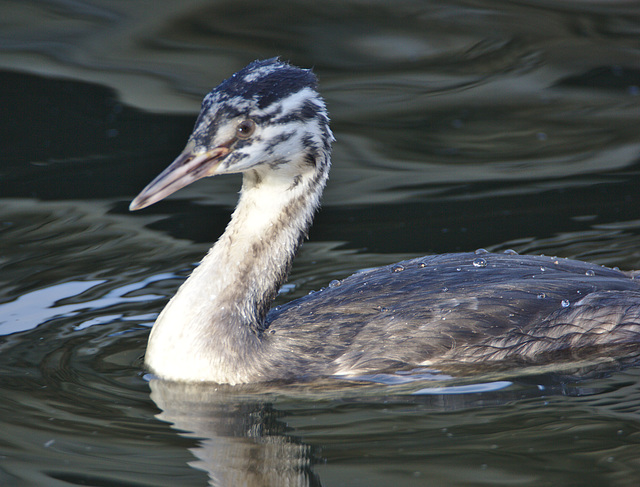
[{"x": 448, "y": 311}]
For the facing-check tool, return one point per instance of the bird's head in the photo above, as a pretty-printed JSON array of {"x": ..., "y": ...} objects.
[{"x": 268, "y": 115}]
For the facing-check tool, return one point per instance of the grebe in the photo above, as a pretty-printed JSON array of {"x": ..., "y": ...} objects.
[{"x": 268, "y": 122}]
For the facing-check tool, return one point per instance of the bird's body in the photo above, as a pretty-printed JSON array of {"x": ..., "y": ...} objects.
[{"x": 268, "y": 122}]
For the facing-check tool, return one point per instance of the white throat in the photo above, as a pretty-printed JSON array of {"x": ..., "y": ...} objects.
[{"x": 211, "y": 329}]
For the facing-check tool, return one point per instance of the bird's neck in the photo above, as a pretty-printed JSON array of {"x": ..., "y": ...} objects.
[{"x": 212, "y": 328}]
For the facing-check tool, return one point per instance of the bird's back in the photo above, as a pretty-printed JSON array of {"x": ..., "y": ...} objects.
[{"x": 471, "y": 308}]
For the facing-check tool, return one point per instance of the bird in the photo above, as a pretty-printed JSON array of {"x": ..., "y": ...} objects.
[{"x": 462, "y": 312}]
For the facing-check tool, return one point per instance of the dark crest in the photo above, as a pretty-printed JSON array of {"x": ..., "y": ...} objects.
[{"x": 263, "y": 82}]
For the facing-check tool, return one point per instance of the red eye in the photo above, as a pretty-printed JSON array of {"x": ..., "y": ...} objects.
[{"x": 245, "y": 128}]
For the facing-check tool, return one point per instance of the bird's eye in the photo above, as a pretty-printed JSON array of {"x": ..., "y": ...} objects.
[{"x": 245, "y": 128}]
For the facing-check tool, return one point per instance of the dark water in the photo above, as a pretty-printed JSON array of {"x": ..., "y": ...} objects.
[{"x": 460, "y": 125}]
